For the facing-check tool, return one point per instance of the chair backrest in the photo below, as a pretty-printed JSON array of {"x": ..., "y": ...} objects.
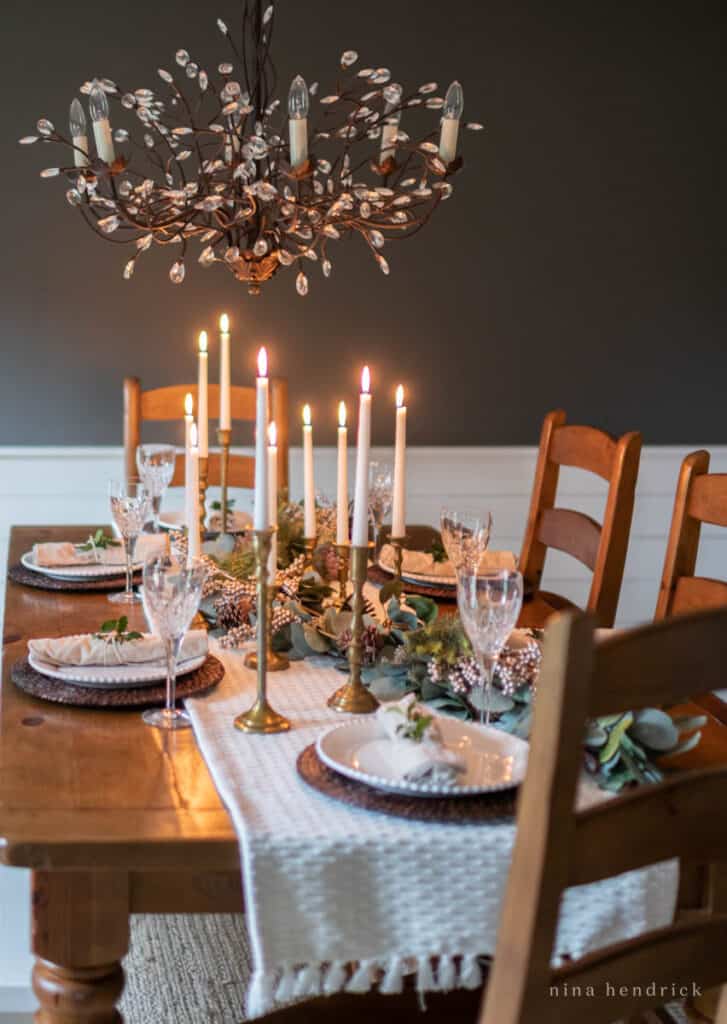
[
  {"x": 602, "y": 548},
  {"x": 168, "y": 404},
  {"x": 701, "y": 497},
  {"x": 557, "y": 847}
]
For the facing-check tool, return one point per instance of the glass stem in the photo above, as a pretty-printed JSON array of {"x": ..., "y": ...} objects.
[
  {"x": 487, "y": 667},
  {"x": 156, "y": 507},
  {"x": 171, "y": 647},
  {"x": 129, "y": 546}
]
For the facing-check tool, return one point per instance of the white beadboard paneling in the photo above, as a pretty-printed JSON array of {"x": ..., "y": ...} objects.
[{"x": 70, "y": 485}]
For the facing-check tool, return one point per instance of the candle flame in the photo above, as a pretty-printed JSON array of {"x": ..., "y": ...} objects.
[
  {"x": 272, "y": 434},
  {"x": 203, "y": 341},
  {"x": 262, "y": 363},
  {"x": 193, "y": 436},
  {"x": 188, "y": 404},
  {"x": 365, "y": 381},
  {"x": 306, "y": 415},
  {"x": 399, "y": 396},
  {"x": 342, "y": 414},
  {"x": 225, "y": 323}
]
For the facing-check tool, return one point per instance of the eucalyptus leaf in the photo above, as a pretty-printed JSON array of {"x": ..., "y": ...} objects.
[
  {"x": 654, "y": 729},
  {"x": 425, "y": 608},
  {"x": 314, "y": 639},
  {"x": 385, "y": 688}
]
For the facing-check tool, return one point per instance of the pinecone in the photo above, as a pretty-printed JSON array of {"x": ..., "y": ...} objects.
[
  {"x": 233, "y": 609},
  {"x": 325, "y": 561}
]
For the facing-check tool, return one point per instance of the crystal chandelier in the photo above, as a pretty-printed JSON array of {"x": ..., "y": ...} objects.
[{"x": 215, "y": 161}]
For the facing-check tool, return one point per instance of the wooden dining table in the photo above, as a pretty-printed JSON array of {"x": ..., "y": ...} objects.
[{"x": 113, "y": 817}]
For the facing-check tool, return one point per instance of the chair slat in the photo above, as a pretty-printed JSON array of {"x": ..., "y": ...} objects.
[
  {"x": 571, "y": 531},
  {"x": 661, "y": 663},
  {"x": 670, "y": 959},
  {"x": 585, "y": 448},
  {"x": 692, "y": 593},
  {"x": 674, "y": 818},
  {"x": 168, "y": 403},
  {"x": 708, "y": 499},
  {"x": 241, "y": 471}
]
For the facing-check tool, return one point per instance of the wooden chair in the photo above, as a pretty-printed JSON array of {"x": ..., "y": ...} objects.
[
  {"x": 557, "y": 847},
  {"x": 701, "y": 497},
  {"x": 602, "y": 548},
  {"x": 168, "y": 404}
]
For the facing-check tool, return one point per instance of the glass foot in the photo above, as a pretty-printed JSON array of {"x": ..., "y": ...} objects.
[
  {"x": 162, "y": 718},
  {"x": 124, "y": 598}
]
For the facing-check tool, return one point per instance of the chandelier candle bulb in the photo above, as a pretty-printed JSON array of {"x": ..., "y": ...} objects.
[
  {"x": 191, "y": 492},
  {"x": 390, "y": 129},
  {"x": 98, "y": 107},
  {"x": 202, "y": 379},
  {"x": 451, "y": 115},
  {"x": 225, "y": 419},
  {"x": 262, "y": 510},
  {"x": 342, "y": 493},
  {"x": 398, "y": 519},
  {"x": 79, "y": 134},
  {"x": 360, "y": 533},
  {"x": 273, "y": 500},
  {"x": 309, "y": 487},
  {"x": 298, "y": 106}
]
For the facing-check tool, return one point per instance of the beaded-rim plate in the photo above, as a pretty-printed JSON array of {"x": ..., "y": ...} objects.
[
  {"x": 113, "y": 677},
  {"x": 360, "y": 750},
  {"x": 76, "y": 572}
]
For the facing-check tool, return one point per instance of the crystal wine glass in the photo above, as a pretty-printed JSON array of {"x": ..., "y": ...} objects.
[
  {"x": 171, "y": 592},
  {"x": 465, "y": 536},
  {"x": 489, "y": 604},
  {"x": 155, "y": 463},
  {"x": 380, "y": 497},
  {"x": 130, "y": 510}
]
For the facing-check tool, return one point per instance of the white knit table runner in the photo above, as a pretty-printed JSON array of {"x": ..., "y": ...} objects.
[{"x": 326, "y": 884}]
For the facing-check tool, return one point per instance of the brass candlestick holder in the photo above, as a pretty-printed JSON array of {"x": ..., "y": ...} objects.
[
  {"x": 343, "y": 551},
  {"x": 354, "y": 698},
  {"x": 276, "y": 661},
  {"x": 397, "y": 544},
  {"x": 203, "y": 470},
  {"x": 223, "y": 439},
  {"x": 261, "y": 717},
  {"x": 309, "y": 547}
]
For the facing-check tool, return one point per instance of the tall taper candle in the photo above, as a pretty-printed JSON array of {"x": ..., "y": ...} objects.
[
  {"x": 225, "y": 421},
  {"x": 202, "y": 378},
  {"x": 188, "y": 420},
  {"x": 191, "y": 487},
  {"x": 309, "y": 487},
  {"x": 398, "y": 518},
  {"x": 360, "y": 533},
  {"x": 342, "y": 492},
  {"x": 262, "y": 513},
  {"x": 273, "y": 499}
]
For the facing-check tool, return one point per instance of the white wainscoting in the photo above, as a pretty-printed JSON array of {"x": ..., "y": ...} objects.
[{"x": 68, "y": 485}]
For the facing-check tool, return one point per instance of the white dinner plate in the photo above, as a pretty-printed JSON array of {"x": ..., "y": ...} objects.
[
  {"x": 92, "y": 571},
  {"x": 116, "y": 677},
  {"x": 360, "y": 750}
]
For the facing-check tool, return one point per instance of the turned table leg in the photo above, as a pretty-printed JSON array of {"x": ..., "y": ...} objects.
[{"x": 80, "y": 933}]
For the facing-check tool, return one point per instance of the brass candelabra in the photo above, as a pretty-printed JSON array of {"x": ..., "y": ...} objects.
[
  {"x": 223, "y": 439},
  {"x": 353, "y": 697},
  {"x": 397, "y": 544},
  {"x": 203, "y": 471},
  {"x": 343, "y": 551},
  {"x": 261, "y": 717},
  {"x": 276, "y": 661},
  {"x": 309, "y": 546}
]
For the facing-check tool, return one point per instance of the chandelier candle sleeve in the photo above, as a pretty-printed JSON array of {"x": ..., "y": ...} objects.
[
  {"x": 309, "y": 487},
  {"x": 342, "y": 492},
  {"x": 262, "y": 511},
  {"x": 79, "y": 134},
  {"x": 390, "y": 127},
  {"x": 225, "y": 419},
  {"x": 398, "y": 520},
  {"x": 202, "y": 413},
  {"x": 273, "y": 500},
  {"x": 360, "y": 534},
  {"x": 298, "y": 106},
  {"x": 98, "y": 107},
  {"x": 451, "y": 115},
  {"x": 192, "y": 494}
]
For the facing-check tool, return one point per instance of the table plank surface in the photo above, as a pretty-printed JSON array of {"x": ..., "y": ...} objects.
[{"x": 95, "y": 788}]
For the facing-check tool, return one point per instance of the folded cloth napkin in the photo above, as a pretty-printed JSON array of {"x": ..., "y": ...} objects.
[
  {"x": 91, "y": 649},
  {"x": 422, "y": 563},
  {"x": 64, "y": 553},
  {"x": 236, "y": 521},
  {"x": 417, "y": 750}
]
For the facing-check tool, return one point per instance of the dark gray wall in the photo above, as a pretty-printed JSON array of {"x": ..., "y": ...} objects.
[{"x": 580, "y": 262}]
